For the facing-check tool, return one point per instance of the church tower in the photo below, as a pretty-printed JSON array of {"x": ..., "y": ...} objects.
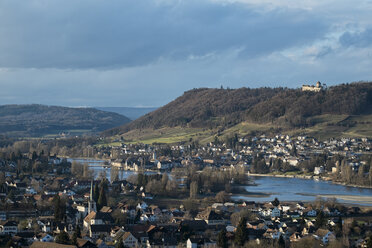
[{"x": 91, "y": 204}]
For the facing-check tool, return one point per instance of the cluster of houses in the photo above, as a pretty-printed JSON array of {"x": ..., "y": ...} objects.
[
  {"x": 290, "y": 150},
  {"x": 158, "y": 227},
  {"x": 148, "y": 225},
  {"x": 27, "y": 213},
  {"x": 138, "y": 164}
]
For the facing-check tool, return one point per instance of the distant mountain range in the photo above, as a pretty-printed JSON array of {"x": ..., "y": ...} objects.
[
  {"x": 282, "y": 108},
  {"x": 130, "y": 112},
  {"x": 40, "y": 120}
]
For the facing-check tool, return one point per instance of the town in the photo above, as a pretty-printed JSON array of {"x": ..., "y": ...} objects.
[{"x": 181, "y": 195}]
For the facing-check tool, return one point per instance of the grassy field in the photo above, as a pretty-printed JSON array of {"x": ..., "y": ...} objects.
[
  {"x": 164, "y": 135},
  {"x": 325, "y": 126},
  {"x": 71, "y": 132},
  {"x": 184, "y": 134},
  {"x": 328, "y": 126}
]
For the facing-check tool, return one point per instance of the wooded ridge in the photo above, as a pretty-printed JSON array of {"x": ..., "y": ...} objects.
[
  {"x": 37, "y": 120},
  {"x": 206, "y": 107}
]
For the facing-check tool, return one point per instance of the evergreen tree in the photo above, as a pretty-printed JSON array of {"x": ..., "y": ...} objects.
[
  {"x": 221, "y": 239},
  {"x": 102, "y": 200},
  {"x": 34, "y": 156},
  {"x": 320, "y": 219},
  {"x": 241, "y": 234},
  {"x": 138, "y": 216},
  {"x": 96, "y": 193},
  {"x": 281, "y": 242},
  {"x": 275, "y": 202},
  {"x": 338, "y": 227},
  {"x": 104, "y": 184},
  {"x": 13, "y": 157},
  {"x": 59, "y": 208},
  {"x": 63, "y": 238}
]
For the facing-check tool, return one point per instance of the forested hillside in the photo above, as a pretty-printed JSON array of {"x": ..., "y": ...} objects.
[
  {"x": 130, "y": 112},
  {"x": 227, "y": 107},
  {"x": 38, "y": 120}
]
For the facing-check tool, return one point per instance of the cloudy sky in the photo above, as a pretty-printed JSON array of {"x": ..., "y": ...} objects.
[{"x": 148, "y": 52}]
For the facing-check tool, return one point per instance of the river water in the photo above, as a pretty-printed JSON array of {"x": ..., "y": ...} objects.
[
  {"x": 98, "y": 167},
  {"x": 297, "y": 189},
  {"x": 267, "y": 188}
]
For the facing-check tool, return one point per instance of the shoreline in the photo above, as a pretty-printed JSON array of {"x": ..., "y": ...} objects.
[
  {"x": 84, "y": 158},
  {"x": 326, "y": 179}
]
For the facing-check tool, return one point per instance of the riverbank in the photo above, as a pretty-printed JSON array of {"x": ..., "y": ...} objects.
[
  {"x": 310, "y": 177},
  {"x": 86, "y": 158}
]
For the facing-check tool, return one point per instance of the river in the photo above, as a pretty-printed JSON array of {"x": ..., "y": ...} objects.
[
  {"x": 285, "y": 189},
  {"x": 98, "y": 167},
  {"x": 298, "y": 189}
]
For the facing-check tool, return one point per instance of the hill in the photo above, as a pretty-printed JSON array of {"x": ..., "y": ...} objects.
[
  {"x": 40, "y": 120},
  {"x": 263, "y": 108},
  {"x": 130, "y": 112}
]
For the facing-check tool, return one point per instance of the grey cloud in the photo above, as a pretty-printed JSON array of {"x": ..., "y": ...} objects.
[
  {"x": 106, "y": 34},
  {"x": 324, "y": 51},
  {"x": 362, "y": 39}
]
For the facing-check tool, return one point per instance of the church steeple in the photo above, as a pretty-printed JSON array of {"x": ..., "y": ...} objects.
[
  {"x": 91, "y": 191},
  {"x": 91, "y": 204}
]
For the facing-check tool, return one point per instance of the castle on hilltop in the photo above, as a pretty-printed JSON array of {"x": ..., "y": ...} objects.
[{"x": 314, "y": 88}]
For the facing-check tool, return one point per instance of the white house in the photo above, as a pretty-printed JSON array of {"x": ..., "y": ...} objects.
[
  {"x": 191, "y": 243},
  {"x": 163, "y": 165},
  {"x": 45, "y": 227},
  {"x": 312, "y": 213},
  {"x": 9, "y": 228},
  {"x": 275, "y": 213},
  {"x": 319, "y": 170},
  {"x": 200, "y": 242},
  {"x": 142, "y": 206},
  {"x": 93, "y": 219},
  {"x": 129, "y": 240},
  {"x": 325, "y": 236}
]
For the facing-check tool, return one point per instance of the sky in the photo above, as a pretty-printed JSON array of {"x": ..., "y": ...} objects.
[{"x": 148, "y": 52}]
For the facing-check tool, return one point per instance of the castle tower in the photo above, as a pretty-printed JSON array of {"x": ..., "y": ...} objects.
[{"x": 91, "y": 204}]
